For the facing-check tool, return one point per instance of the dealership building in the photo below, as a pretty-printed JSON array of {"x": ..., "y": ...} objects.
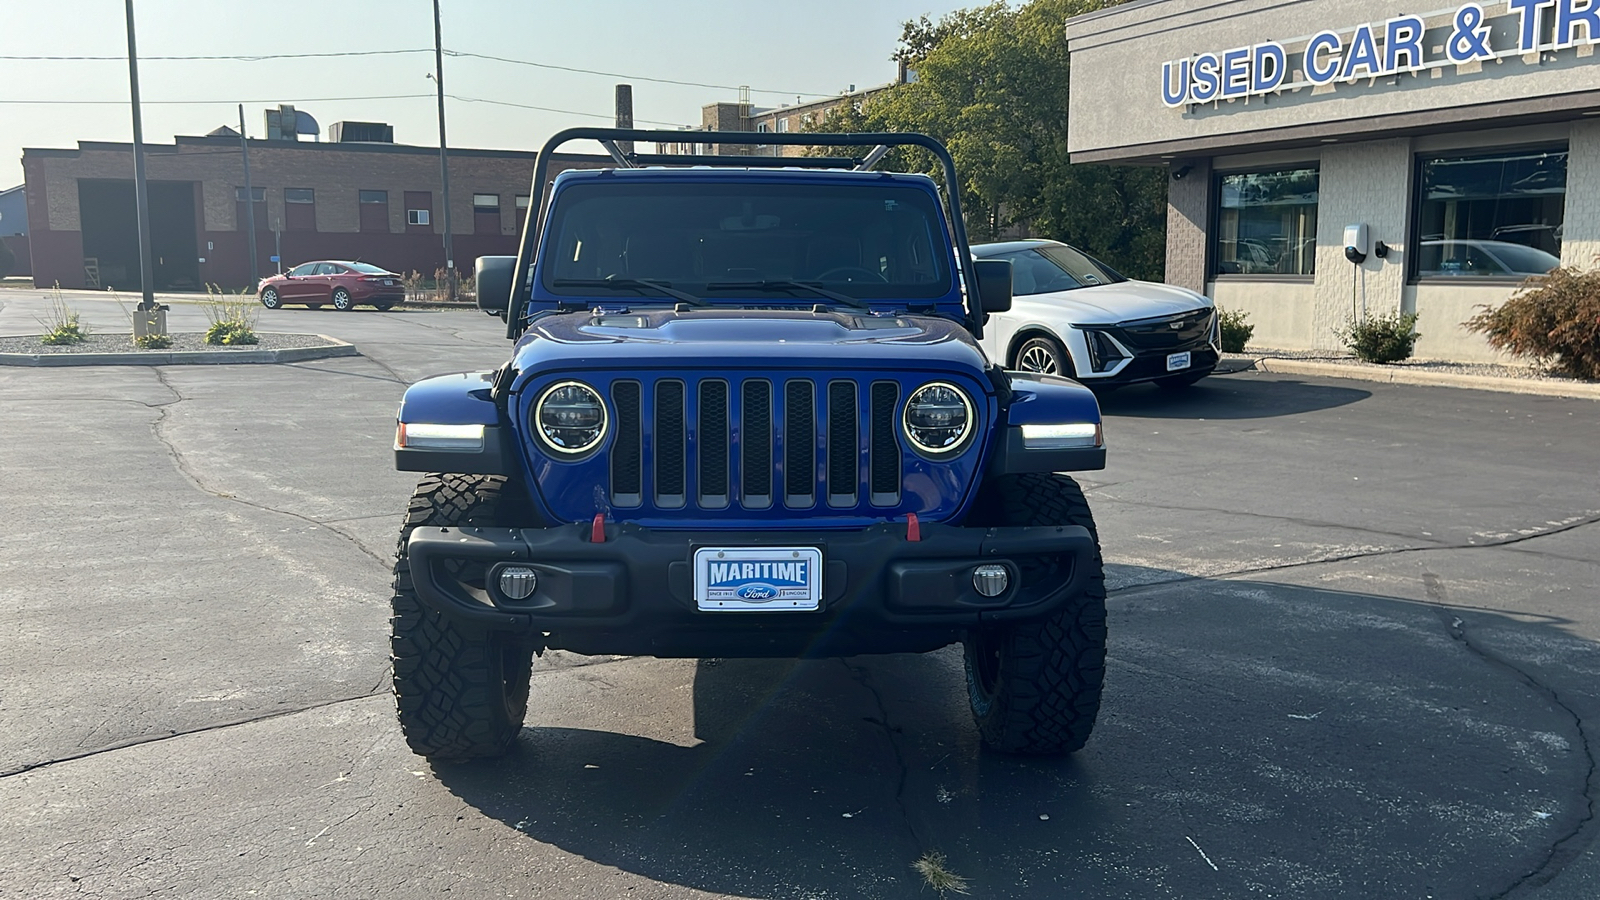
[{"x": 1455, "y": 150}]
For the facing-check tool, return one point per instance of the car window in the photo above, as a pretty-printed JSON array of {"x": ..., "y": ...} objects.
[
  {"x": 1524, "y": 260},
  {"x": 303, "y": 270},
  {"x": 328, "y": 269},
  {"x": 369, "y": 269},
  {"x": 1079, "y": 265},
  {"x": 1034, "y": 273}
]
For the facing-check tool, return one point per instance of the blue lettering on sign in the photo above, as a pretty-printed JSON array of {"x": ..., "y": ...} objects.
[
  {"x": 1396, "y": 46},
  {"x": 1323, "y": 53},
  {"x": 1363, "y": 54},
  {"x": 764, "y": 574}
]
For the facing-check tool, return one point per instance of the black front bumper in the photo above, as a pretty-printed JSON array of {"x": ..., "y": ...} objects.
[
  {"x": 1150, "y": 365},
  {"x": 633, "y": 593}
]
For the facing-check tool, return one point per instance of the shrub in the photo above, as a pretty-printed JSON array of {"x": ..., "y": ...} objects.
[
  {"x": 152, "y": 341},
  {"x": 233, "y": 319},
  {"x": 1553, "y": 319},
  {"x": 61, "y": 325},
  {"x": 1382, "y": 339},
  {"x": 1235, "y": 332}
]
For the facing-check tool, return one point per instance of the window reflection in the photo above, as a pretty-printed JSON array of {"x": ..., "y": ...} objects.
[
  {"x": 1491, "y": 215},
  {"x": 1267, "y": 223}
]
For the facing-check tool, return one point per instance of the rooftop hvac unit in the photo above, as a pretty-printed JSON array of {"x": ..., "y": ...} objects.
[
  {"x": 287, "y": 124},
  {"x": 361, "y": 132}
]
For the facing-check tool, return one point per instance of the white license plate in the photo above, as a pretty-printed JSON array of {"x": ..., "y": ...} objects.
[
  {"x": 765, "y": 579},
  {"x": 1176, "y": 361}
]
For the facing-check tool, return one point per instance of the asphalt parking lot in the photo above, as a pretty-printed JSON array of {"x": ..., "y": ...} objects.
[{"x": 1355, "y": 638}]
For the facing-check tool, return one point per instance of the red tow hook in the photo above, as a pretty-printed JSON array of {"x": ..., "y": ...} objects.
[
  {"x": 597, "y": 529},
  {"x": 913, "y": 528}
]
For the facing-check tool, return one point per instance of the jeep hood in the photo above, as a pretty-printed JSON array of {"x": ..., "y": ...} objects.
[{"x": 711, "y": 338}]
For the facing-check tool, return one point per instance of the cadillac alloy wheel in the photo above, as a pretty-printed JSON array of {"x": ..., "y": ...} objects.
[{"x": 1045, "y": 356}]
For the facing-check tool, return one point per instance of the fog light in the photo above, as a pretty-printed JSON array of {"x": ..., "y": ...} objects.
[
  {"x": 518, "y": 582},
  {"x": 991, "y": 581}
]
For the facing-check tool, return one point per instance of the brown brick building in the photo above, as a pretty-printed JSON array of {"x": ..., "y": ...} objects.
[
  {"x": 378, "y": 202},
  {"x": 742, "y": 115}
]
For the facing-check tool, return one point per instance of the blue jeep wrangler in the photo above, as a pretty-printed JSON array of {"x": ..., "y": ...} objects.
[{"x": 746, "y": 415}]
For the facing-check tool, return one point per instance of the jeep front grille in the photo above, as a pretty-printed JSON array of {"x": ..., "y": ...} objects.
[{"x": 712, "y": 444}]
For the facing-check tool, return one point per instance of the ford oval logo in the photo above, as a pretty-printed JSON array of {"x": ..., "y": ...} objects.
[{"x": 757, "y": 592}]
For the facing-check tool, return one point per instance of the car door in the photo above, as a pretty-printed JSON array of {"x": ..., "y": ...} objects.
[
  {"x": 327, "y": 276},
  {"x": 295, "y": 286}
]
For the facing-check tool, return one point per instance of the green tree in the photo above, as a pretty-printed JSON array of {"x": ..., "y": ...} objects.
[{"x": 992, "y": 84}]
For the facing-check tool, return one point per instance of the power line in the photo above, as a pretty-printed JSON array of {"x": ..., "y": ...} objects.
[
  {"x": 539, "y": 65},
  {"x": 298, "y": 100},
  {"x": 252, "y": 58},
  {"x": 463, "y": 54}
]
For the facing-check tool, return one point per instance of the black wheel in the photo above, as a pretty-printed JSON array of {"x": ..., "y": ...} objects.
[
  {"x": 1179, "y": 382},
  {"x": 460, "y": 693},
  {"x": 269, "y": 298},
  {"x": 342, "y": 301},
  {"x": 1034, "y": 687},
  {"x": 1044, "y": 355}
]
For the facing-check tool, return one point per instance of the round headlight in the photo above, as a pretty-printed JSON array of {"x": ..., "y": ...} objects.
[
  {"x": 571, "y": 417},
  {"x": 938, "y": 417}
]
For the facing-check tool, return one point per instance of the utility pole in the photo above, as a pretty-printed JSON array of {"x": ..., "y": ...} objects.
[
  {"x": 249, "y": 201},
  {"x": 444, "y": 153},
  {"x": 625, "y": 114},
  {"x": 140, "y": 189}
]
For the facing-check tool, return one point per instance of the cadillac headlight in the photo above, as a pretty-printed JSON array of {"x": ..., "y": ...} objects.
[
  {"x": 571, "y": 417},
  {"x": 938, "y": 418}
]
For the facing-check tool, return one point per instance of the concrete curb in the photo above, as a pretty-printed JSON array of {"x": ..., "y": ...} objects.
[
  {"x": 335, "y": 347},
  {"x": 1405, "y": 375}
]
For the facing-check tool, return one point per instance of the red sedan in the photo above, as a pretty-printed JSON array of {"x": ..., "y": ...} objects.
[{"x": 346, "y": 285}]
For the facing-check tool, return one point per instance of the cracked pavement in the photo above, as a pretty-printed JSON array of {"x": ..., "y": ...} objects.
[{"x": 1355, "y": 633}]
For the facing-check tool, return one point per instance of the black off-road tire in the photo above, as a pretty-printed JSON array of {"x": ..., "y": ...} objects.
[
  {"x": 459, "y": 693},
  {"x": 1035, "y": 687}
]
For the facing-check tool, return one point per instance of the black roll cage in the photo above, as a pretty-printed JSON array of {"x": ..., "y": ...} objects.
[{"x": 610, "y": 138}]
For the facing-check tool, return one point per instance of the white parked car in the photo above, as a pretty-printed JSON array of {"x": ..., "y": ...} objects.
[{"x": 1075, "y": 316}]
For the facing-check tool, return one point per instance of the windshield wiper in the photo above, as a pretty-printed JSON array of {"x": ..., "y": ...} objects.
[
  {"x": 631, "y": 284},
  {"x": 789, "y": 286}
]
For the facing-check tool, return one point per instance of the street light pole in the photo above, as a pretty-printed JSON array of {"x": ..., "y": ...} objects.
[
  {"x": 444, "y": 153},
  {"x": 140, "y": 189}
]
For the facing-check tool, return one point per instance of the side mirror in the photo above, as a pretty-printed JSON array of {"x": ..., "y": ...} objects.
[
  {"x": 994, "y": 284},
  {"x": 494, "y": 275}
]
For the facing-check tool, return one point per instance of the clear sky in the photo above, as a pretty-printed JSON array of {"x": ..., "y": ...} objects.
[{"x": 811, "y": 47}]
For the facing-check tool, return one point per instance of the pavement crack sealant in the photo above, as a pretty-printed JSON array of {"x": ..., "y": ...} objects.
[{"x": 1571, "y": 845}]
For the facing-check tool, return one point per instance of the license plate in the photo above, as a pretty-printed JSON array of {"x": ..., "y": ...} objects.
[
  {"x": 389, "y": 282},
  {"x": 1176, "y": 361},
  {"x": 765, "y": 579}
]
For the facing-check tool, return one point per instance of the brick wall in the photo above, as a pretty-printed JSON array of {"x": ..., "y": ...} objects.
[
  {"x": 1580, "y": 245},
  {"x": 1188, "y": 221},
  {"x": 336, "y": 173}
]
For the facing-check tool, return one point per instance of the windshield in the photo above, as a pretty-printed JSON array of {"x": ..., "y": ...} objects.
[
  {"x": 368, "y": 268},
  {"x": 1054, "y": 267},
  {"x": 724, "y": 241}
]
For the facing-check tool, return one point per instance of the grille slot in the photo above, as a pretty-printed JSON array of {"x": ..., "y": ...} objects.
[
  {"x": 711, "y": 444},
  {"x": 799, "y": 444},
  {"x": 844, "y": 451},
  {"x": 626, "y": 465},
  {"x": 669, "y": 444},
  {"x": 884, "y": 450},
  {"x": 755, "y": 442}
]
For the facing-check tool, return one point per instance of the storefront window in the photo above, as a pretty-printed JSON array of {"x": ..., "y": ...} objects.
[
  {"x": 1491, "y": 215},
  {"x": 1267, "y": 223}
]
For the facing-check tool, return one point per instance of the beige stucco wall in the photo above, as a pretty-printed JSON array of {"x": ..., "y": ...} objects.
[
  {"x": 1367, "y": 182},
  {"x": 1280, "y": 311},
  {"x": 1441, "y": 308}
]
